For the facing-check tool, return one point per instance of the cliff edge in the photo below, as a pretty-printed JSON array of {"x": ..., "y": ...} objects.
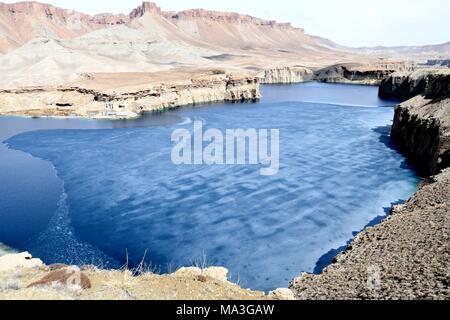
[{"x": 422, "y": 124}]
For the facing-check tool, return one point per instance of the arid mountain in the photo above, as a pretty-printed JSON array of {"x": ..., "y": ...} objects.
[
  {"x": 23, "y": 21},
  {"x": 437, "y": 51},
  {"x": 44, "y": 45}
]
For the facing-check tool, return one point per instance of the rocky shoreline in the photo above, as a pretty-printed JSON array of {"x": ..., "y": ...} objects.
[
  {"x": 357, "y": 73},
  {"x": 407, "y": 255}
]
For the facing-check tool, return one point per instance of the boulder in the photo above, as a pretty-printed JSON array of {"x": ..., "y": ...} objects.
[
  {"x": 68, "y": 277},
  {"x": 282, "y": 294},
  {"x": 218, "y": 273},
  {"x": 18, "y": 260}
]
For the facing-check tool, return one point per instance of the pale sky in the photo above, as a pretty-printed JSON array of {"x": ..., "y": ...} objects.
[{"x": 348, "y": 22}]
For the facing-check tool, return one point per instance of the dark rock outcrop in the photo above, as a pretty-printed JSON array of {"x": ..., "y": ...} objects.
[
  {"x": 359, "y": 73},
  {"x": 422, "y": 124},
  {"x": 431, "y": 83},
  {"x": 438, "y": 63},
  {"x": 423, "y": 136}
]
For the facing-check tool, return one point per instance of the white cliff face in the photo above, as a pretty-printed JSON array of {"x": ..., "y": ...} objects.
[
  {"x": 78, "y": 101},
  {"x": 286, "y": 75},
  {"x": 20, "y": 260}
]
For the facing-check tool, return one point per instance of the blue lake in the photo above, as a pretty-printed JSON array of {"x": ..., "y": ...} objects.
[{"x": 93, "y": 192}]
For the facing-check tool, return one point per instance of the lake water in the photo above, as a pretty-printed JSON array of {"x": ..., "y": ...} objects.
[{"x": 95, "y": 192}]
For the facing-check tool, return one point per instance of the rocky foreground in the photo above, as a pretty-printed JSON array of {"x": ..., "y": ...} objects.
[
  {"x": 407, "y": 256},
  {"x": 25, "y": 278}
]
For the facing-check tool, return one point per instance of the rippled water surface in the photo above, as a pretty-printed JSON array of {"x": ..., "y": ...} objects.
[{"x": 117, "y": 191}]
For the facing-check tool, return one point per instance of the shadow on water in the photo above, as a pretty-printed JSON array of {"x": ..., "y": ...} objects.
[
  {"x": 330, "y": 257},
  {"x": 385, "y": 138}
]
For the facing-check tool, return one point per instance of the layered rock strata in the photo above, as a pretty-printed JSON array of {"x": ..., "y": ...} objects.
[
  {"x": 285, "y": 75},
  {"x": 370, "y": 74},
  {"x": 422, "y": 124},
  {"x": 89, "y": 99}
]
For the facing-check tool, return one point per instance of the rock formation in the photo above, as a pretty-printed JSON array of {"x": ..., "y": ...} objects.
[
  {"x": 422, "y": 124},
  {"x": 12, "y": 261},
  {"x": 406, "y": 85},
  {"x": 285, "y": 75},
  {"x": 371, "y": 74},
  {"x": 70, "y": 277},
  {"x": 88, "y": 98}
]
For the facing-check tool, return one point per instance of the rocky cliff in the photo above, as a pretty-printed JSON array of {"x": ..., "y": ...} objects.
[
  {"x": 406, "y": 85},
  {"x": 422, "y": 124},
  {"x": 285, "y": 75},
  {"x": 371, "y": 74},
  {"x": 98, "y": 96}
]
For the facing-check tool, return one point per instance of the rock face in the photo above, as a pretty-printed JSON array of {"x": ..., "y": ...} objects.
[
  {"x": 86, "y": 99},
  {"x": 438, "y": 63},
  {"x": 145, "y": 7},
  {"x": 282, "y": 294},
  {"x": 422, "y": 124},
  {"x": 285, "y": 75},
  {"x": 70, "y": 277},
  {"x": 10, "y": 262},
  {"x": 217, "y": 273},
  {"x": 406, "y": 85},
  {"x": 371, "y": 74}
]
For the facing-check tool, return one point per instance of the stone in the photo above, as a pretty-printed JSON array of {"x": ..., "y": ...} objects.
[
  {"x": 57, "y": 266},
  {"x": 285, "y": 75},
  {"x": 217, "y": 273},
  {"x": 19, "y": 260},
  {"x": 421, "y": 125},
  {"x": 360, "y": 73},
  {"x": 68, "y": 277},
  {"x": 282, "y": 294}
]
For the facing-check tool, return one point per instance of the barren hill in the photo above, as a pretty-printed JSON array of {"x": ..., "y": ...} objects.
[{"x": 44, "y": 45}]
